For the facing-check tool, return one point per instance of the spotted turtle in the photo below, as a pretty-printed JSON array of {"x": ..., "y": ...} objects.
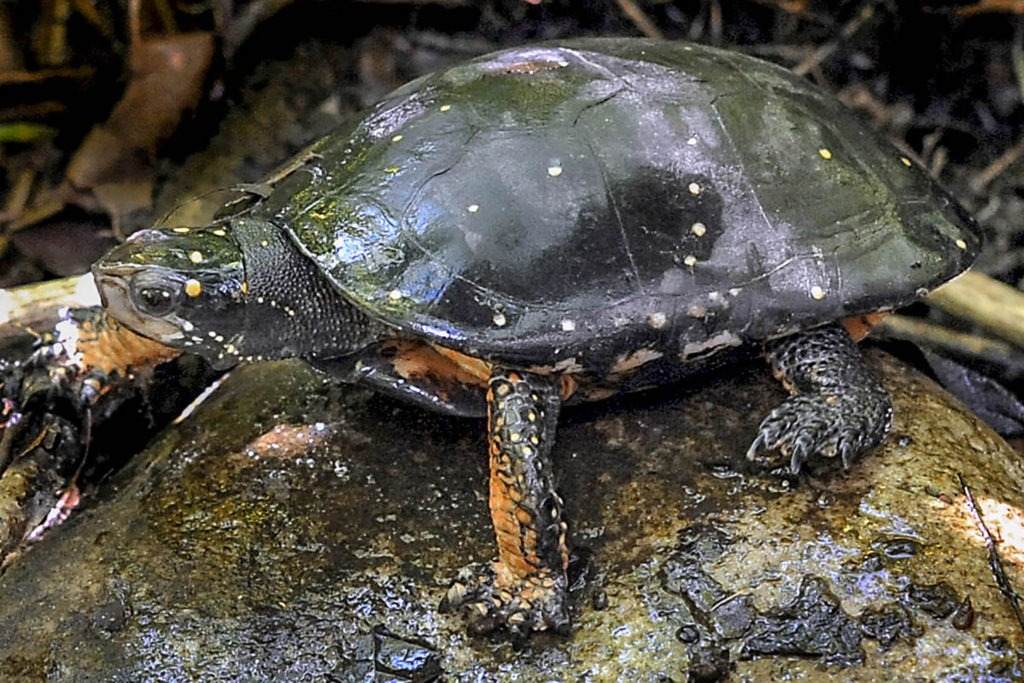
[{"x": 558, "y": 223}]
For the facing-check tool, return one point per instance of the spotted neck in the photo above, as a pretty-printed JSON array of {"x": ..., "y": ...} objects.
[{"x": 292, "y": 310}]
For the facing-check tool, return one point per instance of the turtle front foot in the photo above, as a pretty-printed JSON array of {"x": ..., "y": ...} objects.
[
  {"x": 843, "y": 425},
  {"x": 525, "y": 590},
  {"x": 492, "y": 597}
]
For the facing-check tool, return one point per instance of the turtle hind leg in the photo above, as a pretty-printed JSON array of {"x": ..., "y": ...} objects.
[
  {"x": 838, "y": 406},
  {"x": 526, "y": 589}
]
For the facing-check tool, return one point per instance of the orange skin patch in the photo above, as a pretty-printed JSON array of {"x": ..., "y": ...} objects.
[
  {"x": 445, "y": 375},
  {"x": 414, "y": 358},
  {"x": 861, "y": 325},
  {"x": 467, "y": 366},
  {"x": 110, "y": 347}
]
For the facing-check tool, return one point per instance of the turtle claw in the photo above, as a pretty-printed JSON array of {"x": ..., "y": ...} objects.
[
  {"x": 848, "y": 449},
  {"x": 488, "y": 602},
  {"x": 810, "y": 425}
]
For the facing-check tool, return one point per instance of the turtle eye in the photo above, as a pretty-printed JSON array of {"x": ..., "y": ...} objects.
[{"x": 155, "y": 300}]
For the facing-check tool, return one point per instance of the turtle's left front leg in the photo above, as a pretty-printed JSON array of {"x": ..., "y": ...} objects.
[
  {"x": 838, "y": 406},
  {"x": 526, "y": 588}
]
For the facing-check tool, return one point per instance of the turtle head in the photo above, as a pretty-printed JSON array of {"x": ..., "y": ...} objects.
[
  {"x": 183, "y": 287},
  {"x": 238, "y": 289}
]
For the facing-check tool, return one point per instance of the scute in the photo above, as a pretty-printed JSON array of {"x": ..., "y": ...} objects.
[{"x": 584, "y": 199}]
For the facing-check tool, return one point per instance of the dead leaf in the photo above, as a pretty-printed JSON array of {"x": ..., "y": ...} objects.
[{"x": 166, "y": 83}]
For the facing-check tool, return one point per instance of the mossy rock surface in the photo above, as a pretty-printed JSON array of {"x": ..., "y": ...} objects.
[{"x": 295, "y": 530}]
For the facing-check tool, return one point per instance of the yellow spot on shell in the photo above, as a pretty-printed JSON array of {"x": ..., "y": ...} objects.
[
  {"x": 690, "y": 260},
  {"x": 395, "y": 294},
  {"x": 825, "y": 153},
  {"x": 193, "y": 288},
  {"x": 220, "y": 232},
  {"x": 245, "y": 287},
  {"x": 695, "y": 189},
  {"x": 473, "y": 208},
  {"x": 397, "y": 138},
  {"x": 905, "y": 161},
  {"x": 817, "y": 293},
  {"x": 195, "y": 257},
  {"x": 961, "y": 244},
  {"x": 446, "y": 107},
  {"x": 181, "y": 231},
  {"x": 698, "y": 229},
  {"x": 392, "y": 169},
  {"x": 554, "y": 171}
]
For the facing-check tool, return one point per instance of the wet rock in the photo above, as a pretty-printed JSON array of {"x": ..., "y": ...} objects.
[
  {"x": 889, "y": 624},
  {"x": 391, "y": 657},
  {"x": 813, "y": 625},
  {"x": 939, "y": 600},
  {"x": 291, "y": 529}
]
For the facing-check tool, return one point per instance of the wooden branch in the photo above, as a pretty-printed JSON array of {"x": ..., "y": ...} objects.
[
  {"x": 33, "y": 309},
  {"x": 959, "y": 344},
  {"x": 997, "y": 307}
]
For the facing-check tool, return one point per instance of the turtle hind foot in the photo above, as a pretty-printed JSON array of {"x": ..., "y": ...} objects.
[
  {"x": 490, "y": 599},
  {"x": 838, "y": 407},
  {"x": 843, "y": 424}
]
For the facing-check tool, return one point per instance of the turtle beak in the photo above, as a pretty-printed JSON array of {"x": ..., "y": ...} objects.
[{"x": 110, "y": 288}]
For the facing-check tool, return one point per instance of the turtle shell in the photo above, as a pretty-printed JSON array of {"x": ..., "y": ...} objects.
[{"x": 581, "y": 199}]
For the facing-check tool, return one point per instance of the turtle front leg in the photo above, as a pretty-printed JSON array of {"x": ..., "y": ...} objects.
[
  {"x": 526, "y": 588},
  {"x": 838, "y": 406}
]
